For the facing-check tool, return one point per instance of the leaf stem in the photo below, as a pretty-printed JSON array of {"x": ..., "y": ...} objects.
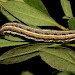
[{"x": 61, "y": 27}]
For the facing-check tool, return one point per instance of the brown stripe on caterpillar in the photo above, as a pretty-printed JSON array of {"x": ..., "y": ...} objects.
[{"x": 40, "y": 31}]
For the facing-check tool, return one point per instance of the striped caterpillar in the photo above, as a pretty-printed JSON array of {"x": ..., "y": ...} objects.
[{"x": 38, "y": 34}]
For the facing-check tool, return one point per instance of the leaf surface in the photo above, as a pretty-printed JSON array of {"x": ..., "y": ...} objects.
[
  {"x": 27, "y": 14},
  {"x": 21, "y": 53},
  {"x": 6, "y": 43},
  {"x": 66, "y": 8},
  {"x": 59, "y": 58},
  {"x": 71, "y": 23}
]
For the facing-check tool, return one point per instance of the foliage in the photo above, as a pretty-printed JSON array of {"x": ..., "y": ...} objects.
[{"x": 34, "y": 13}]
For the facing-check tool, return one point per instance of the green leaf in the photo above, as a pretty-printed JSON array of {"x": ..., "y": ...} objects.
[
  {"x": 6, "y": 43},
  {"x": 64, "y": 73},
  {"x": 18, "y": 59},
  {"x": 38, "y": 5},
  {"x": 18, "y": 0},
  {"x": 66, "y": 8},
  {"x": 3, "y": 1},
  {"x": 10, "y": 17},
  {"x": 34, "y": 3},
  {"x": 13, "y": 38},
  {"x": 71, "y": 23},
  {"x": 11, "y": 0},
  {"x": 28, "y": 14},
  {"x": 59, "y": 58},
  {"x": 21, "y": 53},
  {"x": 26, "y": 73}
]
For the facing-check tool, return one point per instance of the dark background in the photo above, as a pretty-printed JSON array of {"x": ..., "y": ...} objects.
[{"x": 36, "y": 65}]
